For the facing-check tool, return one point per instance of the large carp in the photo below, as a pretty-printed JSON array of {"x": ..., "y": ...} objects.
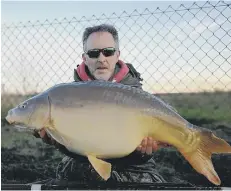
[{"x": 102, "y": 120}]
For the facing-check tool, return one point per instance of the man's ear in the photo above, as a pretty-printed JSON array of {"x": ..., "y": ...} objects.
[{"x": 84, "y": 57}]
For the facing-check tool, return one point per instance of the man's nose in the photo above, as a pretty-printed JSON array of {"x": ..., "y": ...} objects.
[{"x": 101, "y": 57}]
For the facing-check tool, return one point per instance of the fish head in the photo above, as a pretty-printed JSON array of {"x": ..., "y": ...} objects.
[{"x": 32, "y": 113}]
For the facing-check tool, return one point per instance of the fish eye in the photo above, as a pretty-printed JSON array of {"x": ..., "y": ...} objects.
[{"x": 23, "y": 105}]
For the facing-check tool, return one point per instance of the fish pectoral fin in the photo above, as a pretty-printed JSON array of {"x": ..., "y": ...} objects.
[
  {"x": 102, "y": 168},
  {"x": 200, "y": 158},
  {"x": 57, "y": 137}
]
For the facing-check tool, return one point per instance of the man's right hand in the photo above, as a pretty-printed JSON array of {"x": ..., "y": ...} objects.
[{"x": 149, "y": 145}]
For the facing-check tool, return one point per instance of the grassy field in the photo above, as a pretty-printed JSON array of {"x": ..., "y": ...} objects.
[
  {"x": 26, "y": 158},
  {"x": 215, "y": 106}
]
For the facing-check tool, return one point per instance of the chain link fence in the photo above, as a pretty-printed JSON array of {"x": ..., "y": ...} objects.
[{"x": 179, "y": 49}]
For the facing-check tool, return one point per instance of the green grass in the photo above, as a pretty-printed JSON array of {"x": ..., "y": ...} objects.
[
  {"x": 214, "y": 106},
  {"x": 25, "y": 143}
]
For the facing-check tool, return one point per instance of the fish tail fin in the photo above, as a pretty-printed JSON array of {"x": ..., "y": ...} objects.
[{"x": 200, "y": 158}]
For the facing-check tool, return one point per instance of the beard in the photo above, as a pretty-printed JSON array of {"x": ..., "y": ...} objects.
[{"x": 102, "y": 74}]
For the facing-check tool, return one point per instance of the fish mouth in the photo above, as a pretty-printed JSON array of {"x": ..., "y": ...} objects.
[
  {"x": 12, "y": 122},
  {"x": 19, "y": 126},
  {"x": 7, "y": 119}
]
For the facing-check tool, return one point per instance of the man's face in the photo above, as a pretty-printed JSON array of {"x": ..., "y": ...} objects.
[{"x": 101, "y": 67}]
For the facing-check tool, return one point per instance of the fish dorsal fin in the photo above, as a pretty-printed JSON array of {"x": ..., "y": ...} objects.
[{"x": 102, "y": 168}]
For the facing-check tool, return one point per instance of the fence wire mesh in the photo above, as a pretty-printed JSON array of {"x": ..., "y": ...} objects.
[{"x": 181, "y": 49}]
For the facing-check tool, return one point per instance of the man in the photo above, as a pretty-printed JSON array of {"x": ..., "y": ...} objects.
[{"x": 101, "y": 61}]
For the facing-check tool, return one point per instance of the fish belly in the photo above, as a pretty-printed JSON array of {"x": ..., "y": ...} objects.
[{"x": 105, "y": 132}]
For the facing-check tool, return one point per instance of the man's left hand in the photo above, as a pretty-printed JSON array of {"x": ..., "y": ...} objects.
[{"x": 149, "y": 145}]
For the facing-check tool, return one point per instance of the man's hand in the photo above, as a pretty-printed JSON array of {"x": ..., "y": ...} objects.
[{"x": 148, "y": 145}]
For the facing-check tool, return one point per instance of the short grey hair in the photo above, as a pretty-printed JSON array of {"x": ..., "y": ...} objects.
[{"x": 100, "y": 28}]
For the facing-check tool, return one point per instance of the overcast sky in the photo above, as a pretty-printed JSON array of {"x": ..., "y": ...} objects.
[{"x": 21, "y": 11}]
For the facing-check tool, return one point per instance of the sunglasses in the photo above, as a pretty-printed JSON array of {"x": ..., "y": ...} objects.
[{"x": 94, "y": 53}]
